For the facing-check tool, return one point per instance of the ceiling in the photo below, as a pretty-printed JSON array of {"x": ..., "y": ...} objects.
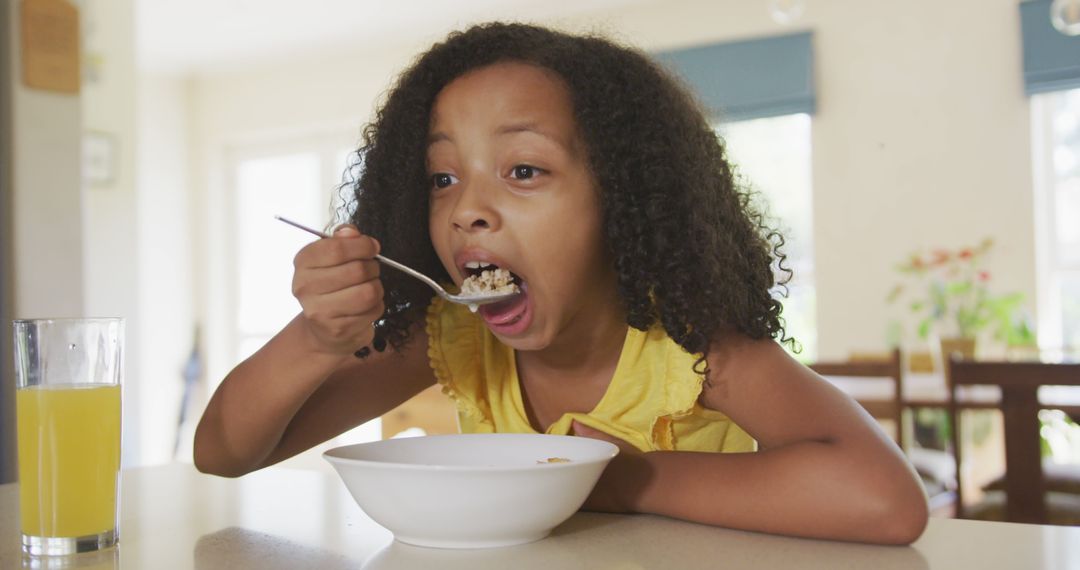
[{"x": 193, "y": 36}]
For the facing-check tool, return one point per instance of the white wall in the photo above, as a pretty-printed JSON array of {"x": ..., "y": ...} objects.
[
  {"x": 46, "y": 197},
  {"x": 921, "y": 137},
  {"x": 166, "y": 302},
  {"x": 922, "y": 142},
  {"x": 109, "y": 209},
  {"x": 41, "y": 222},
  {"x": 7, "y": 383},
  {"x": 324, "y": 98},
  {"x": 138, "y": 228}
]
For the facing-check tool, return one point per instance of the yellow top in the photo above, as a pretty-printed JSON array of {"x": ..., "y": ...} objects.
[{"x": 651, "y": 402}]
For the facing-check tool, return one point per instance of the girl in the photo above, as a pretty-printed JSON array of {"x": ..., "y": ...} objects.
[{"x": 645, "y": 316}]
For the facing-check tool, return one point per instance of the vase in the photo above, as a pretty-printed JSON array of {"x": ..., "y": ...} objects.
[{"x": 962, "y": 346}]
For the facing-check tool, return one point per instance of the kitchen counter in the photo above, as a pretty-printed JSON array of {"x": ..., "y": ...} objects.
[{"x": 174, "y": 517}]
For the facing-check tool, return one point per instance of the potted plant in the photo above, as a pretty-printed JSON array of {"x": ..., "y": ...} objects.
[{"x": 948, "y": 292}]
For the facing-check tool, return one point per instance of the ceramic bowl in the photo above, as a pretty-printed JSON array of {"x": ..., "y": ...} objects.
[{"x": 472, "y": 490}]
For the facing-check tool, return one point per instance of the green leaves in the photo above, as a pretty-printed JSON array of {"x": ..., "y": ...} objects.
[
  {"x": 924, "y": 327},
  {"x": 948, "y": 290}
]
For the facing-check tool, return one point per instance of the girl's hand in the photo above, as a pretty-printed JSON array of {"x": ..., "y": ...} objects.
[
  {"x": 337, "y": 283},
  {"x": 620, "y": 485}
]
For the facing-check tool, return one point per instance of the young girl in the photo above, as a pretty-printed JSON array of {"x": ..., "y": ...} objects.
[{"x": 645, "y": 316}]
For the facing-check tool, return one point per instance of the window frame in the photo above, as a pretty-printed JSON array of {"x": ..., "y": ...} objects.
[{"x": 1049, "y": 267}]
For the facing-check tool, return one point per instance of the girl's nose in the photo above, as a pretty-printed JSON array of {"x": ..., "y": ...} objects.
[{"x": 474, "y": 210}]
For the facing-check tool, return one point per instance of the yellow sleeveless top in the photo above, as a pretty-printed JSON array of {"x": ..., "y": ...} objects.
[{"x": 651, "y": 403}]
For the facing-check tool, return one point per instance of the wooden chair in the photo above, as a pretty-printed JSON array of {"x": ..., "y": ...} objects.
[
  {"x": 933, "y": 466},
  {"x": 883, "y": 409},
  {"x": 1026, "y": 484}
]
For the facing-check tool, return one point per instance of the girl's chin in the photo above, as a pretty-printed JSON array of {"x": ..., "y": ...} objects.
[{"x": 526, "y": 342}]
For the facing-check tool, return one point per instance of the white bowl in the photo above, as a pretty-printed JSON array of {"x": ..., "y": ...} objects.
[{"x": 473, "y": 490}]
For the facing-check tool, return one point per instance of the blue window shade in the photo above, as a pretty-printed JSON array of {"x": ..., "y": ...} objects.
[
  {"x": 1051, "y": 59},
  {"x": 749, "y": 79}
]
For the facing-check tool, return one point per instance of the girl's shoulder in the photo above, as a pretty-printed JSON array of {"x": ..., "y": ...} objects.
[
  {"x": 745, "y": 373},
  {"x": 460, "y": 354},
  {"x": 734, "y": 355}
]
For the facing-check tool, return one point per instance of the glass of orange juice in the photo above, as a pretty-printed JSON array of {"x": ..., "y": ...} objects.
[{"x": 67, "y": 399}]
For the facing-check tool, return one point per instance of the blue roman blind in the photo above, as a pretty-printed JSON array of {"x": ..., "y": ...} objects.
[
  {"x": 749, "y": 79},
  {"x": 1051, "y": 59}
]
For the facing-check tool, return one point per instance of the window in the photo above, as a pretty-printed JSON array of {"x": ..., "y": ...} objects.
[
  {"x": 1056, "y": 147},
  {"x": 297, "y": 184},
  {"x": 772, "y": 156},
  {"x": 297, "y": 180},
  {"x": 284, "y": 184}
]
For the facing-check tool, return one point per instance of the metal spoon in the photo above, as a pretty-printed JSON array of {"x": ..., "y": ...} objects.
[{"x": 471, "y": 300}]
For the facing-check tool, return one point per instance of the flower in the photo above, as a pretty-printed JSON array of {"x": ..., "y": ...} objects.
[{"x": 949, "y": 293}]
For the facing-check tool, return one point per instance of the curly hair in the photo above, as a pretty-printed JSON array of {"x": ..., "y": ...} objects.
[{"x": 690, "y": 248}]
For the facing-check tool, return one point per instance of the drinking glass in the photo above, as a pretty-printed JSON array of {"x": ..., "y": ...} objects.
[{"x": 67, "y": 397}]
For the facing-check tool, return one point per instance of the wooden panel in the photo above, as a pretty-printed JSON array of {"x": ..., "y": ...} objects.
[
  {"x": 854, "y": 368},
  {"x": 1023, "y": 476},
  {"x": 1019, "y": 374},
  {"x": 50, "y": 45}
]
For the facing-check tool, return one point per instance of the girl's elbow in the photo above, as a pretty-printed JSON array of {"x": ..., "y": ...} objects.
[
  {"x": 209, "y": 462},
  {"x": 905, "y": 526},
  {"x": 902, "y": 515},
  {"x": 203, "y": 459},
  {"x": 203, "y": 465},
  {"x": 210, "y": 467}
]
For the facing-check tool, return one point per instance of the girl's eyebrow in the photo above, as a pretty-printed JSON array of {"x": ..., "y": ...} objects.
[{"x": 514, "y": 128}]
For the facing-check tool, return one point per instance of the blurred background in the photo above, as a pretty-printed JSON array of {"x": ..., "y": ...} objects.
[{"x": 875, "y": 132}]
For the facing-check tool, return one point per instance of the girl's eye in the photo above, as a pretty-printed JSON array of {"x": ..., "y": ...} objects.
[
  {"x": 524, "y": 172},
  {"x": 442, "y": 180}
]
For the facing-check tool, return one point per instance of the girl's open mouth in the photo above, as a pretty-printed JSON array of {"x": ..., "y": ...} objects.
[
  {"x": 508, "y": 317},
  {"x": 505, "y": 318},
  {"x": 488, "y": 279}
]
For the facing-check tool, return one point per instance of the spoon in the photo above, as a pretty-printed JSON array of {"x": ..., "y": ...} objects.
[{"x": 473, "y": 301}]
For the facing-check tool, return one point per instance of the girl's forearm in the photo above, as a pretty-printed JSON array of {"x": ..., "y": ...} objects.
[
  {"x": 811, "y": 489},
  {"x": 250, "y": 410}
]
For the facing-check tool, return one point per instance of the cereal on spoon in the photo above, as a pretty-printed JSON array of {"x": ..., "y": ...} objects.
[{"x": 496, "y": 281}]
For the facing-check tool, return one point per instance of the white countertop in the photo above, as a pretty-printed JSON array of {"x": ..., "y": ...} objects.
[{"x": 174, "y": 517}]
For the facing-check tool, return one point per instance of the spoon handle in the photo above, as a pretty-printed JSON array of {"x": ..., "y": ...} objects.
[
  {"x": 400, "y": 267},
  {"x": 406, "y": 269},
  {"x": 302, "y": 226}
]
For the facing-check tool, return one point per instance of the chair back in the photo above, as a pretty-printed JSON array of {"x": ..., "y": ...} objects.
[{"x": 1019, "y": 383}]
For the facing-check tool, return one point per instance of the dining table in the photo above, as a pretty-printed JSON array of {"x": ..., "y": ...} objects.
[
  {"x": 172, "y": 516},
  {"x": 1017, "y": 388},
  {"x": 930, "y": 390}
]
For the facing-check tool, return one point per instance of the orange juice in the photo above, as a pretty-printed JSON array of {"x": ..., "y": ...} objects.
[{"x": 69, "y": 457}]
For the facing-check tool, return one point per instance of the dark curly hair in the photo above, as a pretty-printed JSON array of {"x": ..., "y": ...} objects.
[{"x": 690, "y": 247}]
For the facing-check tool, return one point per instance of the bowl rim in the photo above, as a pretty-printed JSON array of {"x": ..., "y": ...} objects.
[{"x": 333, "y": 459}]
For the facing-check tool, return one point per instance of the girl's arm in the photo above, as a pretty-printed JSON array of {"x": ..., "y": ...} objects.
[
  {"x": 305, "y": 386},
  {"x": 824, "y": 468},
  {"x": 285, "y": 399}
]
